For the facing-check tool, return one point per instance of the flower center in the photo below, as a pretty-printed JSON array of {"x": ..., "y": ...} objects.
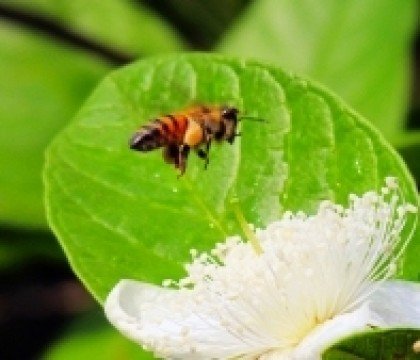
[
  {"x": 300, "y": 271},
  {"x": 259, "y": 299}
]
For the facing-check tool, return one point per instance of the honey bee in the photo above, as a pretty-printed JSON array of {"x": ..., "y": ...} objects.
[{"x": 192, "y": 129}]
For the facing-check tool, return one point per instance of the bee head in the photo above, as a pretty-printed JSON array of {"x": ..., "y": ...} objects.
[
  {"x": 230, "y": 113},
  {"x": 230, "y": 120}
]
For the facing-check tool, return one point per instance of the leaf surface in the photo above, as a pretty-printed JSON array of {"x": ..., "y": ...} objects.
[
  {"x": 360, "y": 49},
  {"x": 123, "y": 214},
  {"x": 408, "y": 145},
  {"x": 379, "y": 344},
  {"x": 42, "y": 83},
  {"x": 120, "y": 25}
]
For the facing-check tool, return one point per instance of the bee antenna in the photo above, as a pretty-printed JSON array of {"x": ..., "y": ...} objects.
[{"x": 252, "y": 118}]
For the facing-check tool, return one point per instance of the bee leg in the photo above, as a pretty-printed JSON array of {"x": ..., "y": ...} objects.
[
  {"x": 231, "y": 140},
  {"x": 184, "y": 151},
  {"x": 207, "y": 158},
  {"x": 204, "y": 154},
  {"x": 201, "y": 154},
  {"x": 170, "y": 154}
]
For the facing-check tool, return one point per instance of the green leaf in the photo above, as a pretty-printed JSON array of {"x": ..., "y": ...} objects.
[
  {"x": 411, "y": 264},
  {"x": 378, "y": 344},
  {"x": 122, "y": 214},
  {"x": 117, "y": 24},
  {"x": 93, "y": 338},
  {"x": 408, "y": 145},
  {"x": 42, "y": 83},
  {"x": 359, "y": 48}
]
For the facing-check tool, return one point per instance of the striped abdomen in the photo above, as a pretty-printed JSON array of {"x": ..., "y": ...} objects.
[{"x": 169, "y": 129}]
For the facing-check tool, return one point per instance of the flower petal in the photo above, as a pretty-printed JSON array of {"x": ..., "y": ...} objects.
[
  {"x": 320, "y": 278},
  {"x": 176, "y": 326},
  {"x": 394, "y": 304},
  {"x": 333, "y": 330},
  {"x": 397, "y": 304}
]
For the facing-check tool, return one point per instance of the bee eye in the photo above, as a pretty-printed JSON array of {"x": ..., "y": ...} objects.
[{"x": 230, "y": 113}]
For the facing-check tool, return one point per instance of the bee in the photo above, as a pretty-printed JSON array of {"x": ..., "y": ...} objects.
[{"x": 193, "y": 129}]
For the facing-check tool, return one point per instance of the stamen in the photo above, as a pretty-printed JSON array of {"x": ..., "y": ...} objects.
[
  {"x": 249, "y": 234},
  {"x": 309, "y": 268},
  {"x": 416, "y": 347}
]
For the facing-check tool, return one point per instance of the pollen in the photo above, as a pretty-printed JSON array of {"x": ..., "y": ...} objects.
[{"x": 267, "y": 296}]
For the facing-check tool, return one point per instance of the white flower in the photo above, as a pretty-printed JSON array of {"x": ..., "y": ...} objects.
[{"x": 319, "y": 278}]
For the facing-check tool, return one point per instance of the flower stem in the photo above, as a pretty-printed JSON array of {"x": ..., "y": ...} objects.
[{"x": 249, "y": 234}]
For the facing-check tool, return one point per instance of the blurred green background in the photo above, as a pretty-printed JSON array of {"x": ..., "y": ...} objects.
[{"x": 52, "y": 54}]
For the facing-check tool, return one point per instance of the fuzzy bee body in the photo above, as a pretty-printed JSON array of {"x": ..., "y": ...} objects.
[{"x": 178, "y": 133}]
